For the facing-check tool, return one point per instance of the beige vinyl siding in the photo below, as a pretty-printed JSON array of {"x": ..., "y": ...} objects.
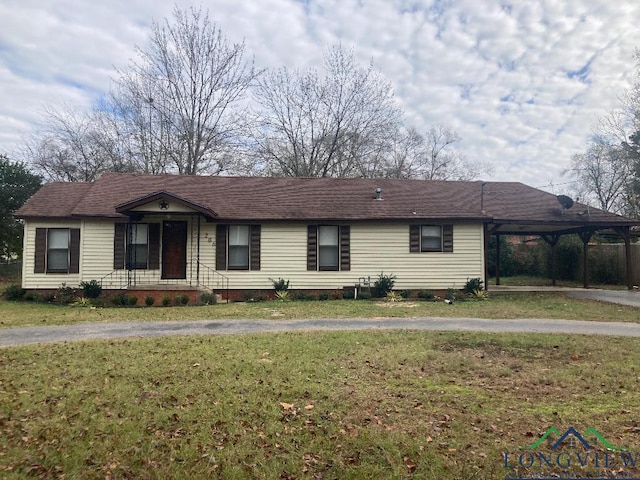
[
  {"x": 96, "y": 242},
  {"x": 46, "y": 280},
  {"x": 375, "y": 248}
]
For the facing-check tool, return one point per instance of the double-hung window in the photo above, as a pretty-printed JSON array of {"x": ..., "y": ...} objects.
[
  {"x": 431, "y": 238},
  {"x": 58, "y": 250},
  {"x": 238, "y": 247},
  {"x": 138, "y": 246},
  {"x": 328, "y": 247}
]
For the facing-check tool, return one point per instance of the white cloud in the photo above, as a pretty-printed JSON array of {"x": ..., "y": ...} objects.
[{"x": 522, "y": 83}]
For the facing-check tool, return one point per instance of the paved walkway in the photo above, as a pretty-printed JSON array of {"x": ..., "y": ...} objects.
[{"x": 90, "y": 331}]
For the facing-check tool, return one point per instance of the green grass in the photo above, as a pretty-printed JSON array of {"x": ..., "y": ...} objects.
[
  {"x": 517, "y": 305},
  {"x": 307, "y": 405}
]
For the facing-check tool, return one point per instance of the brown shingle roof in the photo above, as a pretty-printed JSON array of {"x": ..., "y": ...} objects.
[
  {"x": 285, "y": 198},
  {"x": 55, "y": 199}
]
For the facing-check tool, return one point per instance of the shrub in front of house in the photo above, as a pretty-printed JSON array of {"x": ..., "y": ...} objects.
[
  {"x": 348, "y": 294},
  {"x": 208, "y": 299},
  {"x": 302, "y": 296},
  {"x": 14, "y": 293},
  {"x": 383, "y": 285},
  {"x": 91, "y": 289},
  {"x": 364, "y": 295},
  {"x": 426, "y": 295},
  {"x": 280, "y": 285},
  {"x": 65, "y": 295},
  {"x": 473, "y": 285},
  {"x": 181, "y": 299},
  {"x": 149, "y": 300},
  {"x": 166, "y": 301}
]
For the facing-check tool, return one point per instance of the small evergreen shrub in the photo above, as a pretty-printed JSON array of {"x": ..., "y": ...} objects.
[
  {"x": 65, "y": 295},
  {"x": 473, "y": 285},
  {"x": 182, "y": 299},
  {"x": 383, "y": 285},
  {"x": 348, "y": 294},
  {"x": 303, "y": 296},
  {"x": 14, "y": 293},
  {"x": 131, "y": 300},
  {"x": 426, "y": 295},
  {"x": 323, "y": 296},
  {"x": 280, "y": 285},
  {"x": 148, "y": 300},
  {"x": 119, "y": 300},
  {"x": 91, "y": 289},
  {"x": 364, "y": 295},
  {"x": 208, "y": 299},
  {"x": 166, "y": 301},
  {"x": 405, "y": 294}
]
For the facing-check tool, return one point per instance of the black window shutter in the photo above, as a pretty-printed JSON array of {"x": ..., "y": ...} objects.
[
  {"x": 254, "y": 248},
  {"x": 119, "y": 236},
  {"x": 74, "y": 250},
  {"x": 154, "y": 246},
  {"x": 414, "y": 238},
  {"x": 312, "y": 247},
  {"x": 221, "y": 247},
  {"x": 447, "y": 238},
  {"x": 345, "y": 247},
  {"x": 40, "y": 259}
]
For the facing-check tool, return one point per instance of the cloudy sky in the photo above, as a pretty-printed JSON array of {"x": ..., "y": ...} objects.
[{"x": 522, "y": 81}]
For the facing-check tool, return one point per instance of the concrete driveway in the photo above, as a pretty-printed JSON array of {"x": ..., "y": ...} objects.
[
  {"x": 622, "y": 297},
  {"x": 93, "y": 331}
]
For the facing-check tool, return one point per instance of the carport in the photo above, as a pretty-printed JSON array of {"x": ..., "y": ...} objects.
[{"x": 517, "y": 209}]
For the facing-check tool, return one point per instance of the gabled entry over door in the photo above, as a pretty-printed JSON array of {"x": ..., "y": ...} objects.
[{"x": 174, "y": 250}]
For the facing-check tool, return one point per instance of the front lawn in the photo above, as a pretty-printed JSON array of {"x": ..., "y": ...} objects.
[
  {"x": 517, "y": 305},
  {"x": 319, "y": 405}
]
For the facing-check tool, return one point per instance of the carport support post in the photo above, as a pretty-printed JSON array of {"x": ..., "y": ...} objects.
[
  {"x": 585, "y": 237},
  {"x": 497, "y": 259},
  {"x": 552, "y": 241},
  {"x": 624, "y": 233}
]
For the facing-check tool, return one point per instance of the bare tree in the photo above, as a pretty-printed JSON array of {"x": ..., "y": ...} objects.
[
  {"x": 604, "y": 174},
  {"x": 323, "y": 124},
  {"x": 174, "y": 110},
  {"x": 431, "y": 157},
  {"x": 180, "y": 96},
  {"x": 609, "y": 170},
  {"x": 73, "y": 146}
]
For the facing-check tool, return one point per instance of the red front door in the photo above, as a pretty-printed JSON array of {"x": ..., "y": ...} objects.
[{"x": 174, "y": 250}]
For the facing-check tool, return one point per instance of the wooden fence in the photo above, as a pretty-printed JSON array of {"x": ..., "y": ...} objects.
[{"x": 615, "y": 253}]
